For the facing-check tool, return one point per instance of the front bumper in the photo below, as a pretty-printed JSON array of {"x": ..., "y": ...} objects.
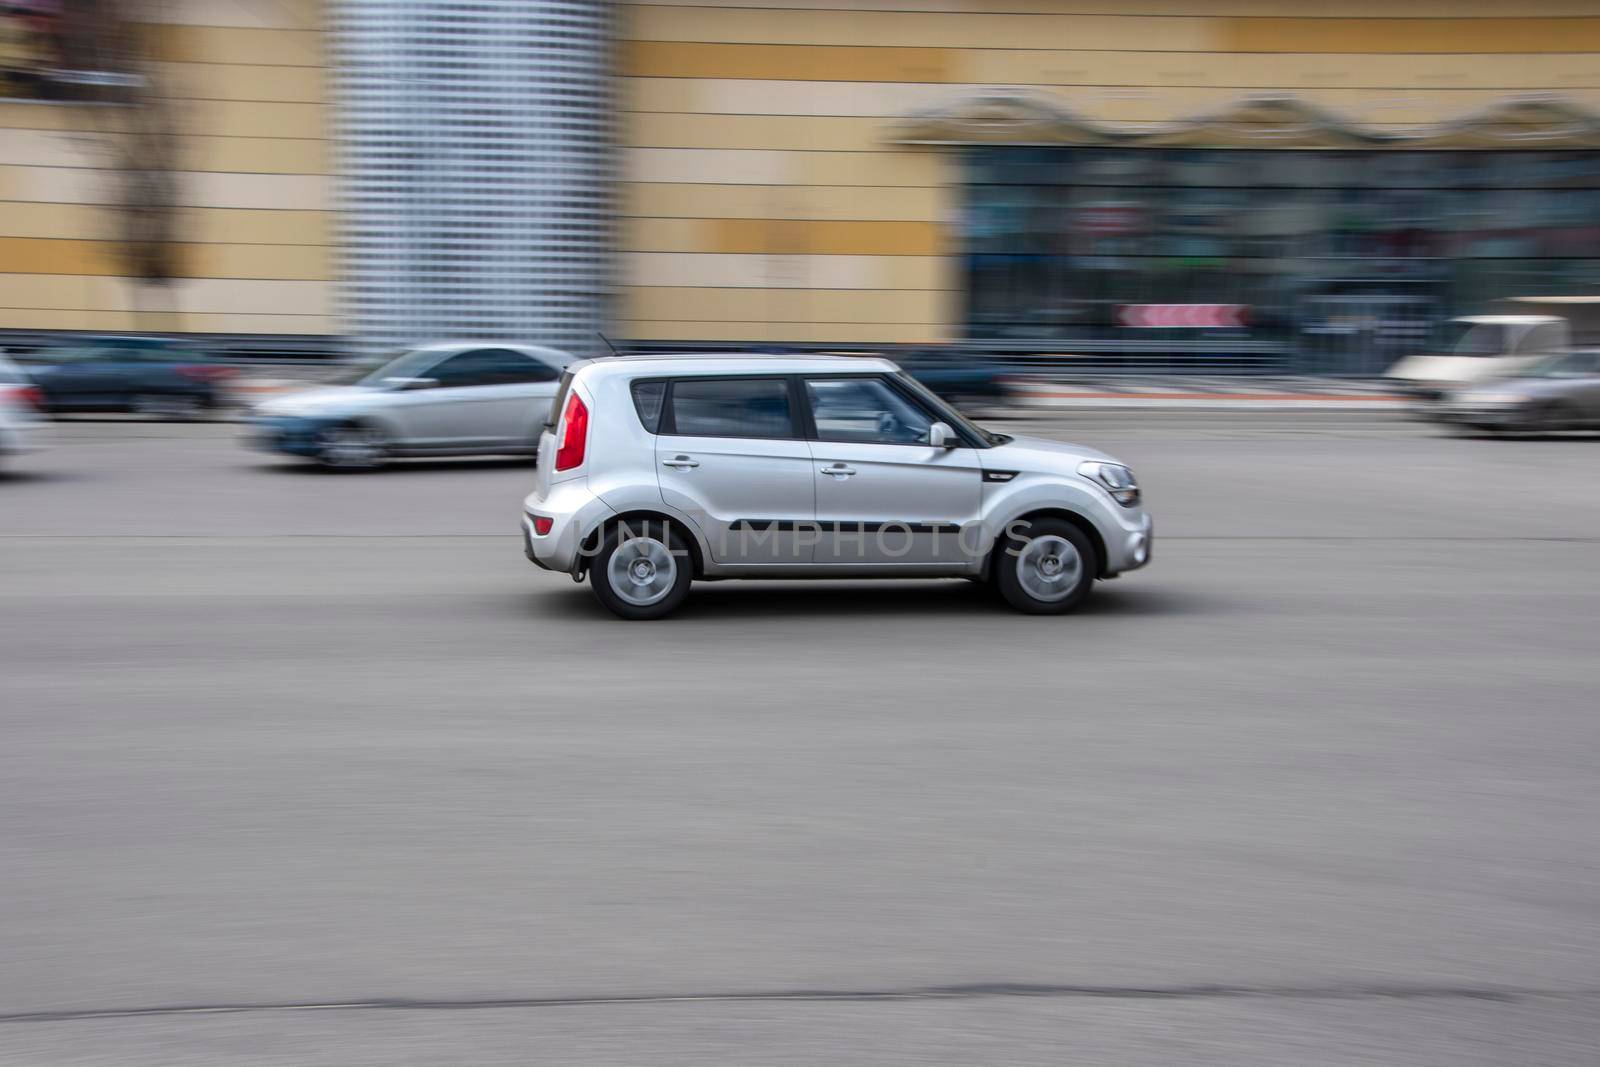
[
  {"x": 293, "y": 435},
  {"x": 1130, "y": 545},
  {"x": 1498, "y": 415}
]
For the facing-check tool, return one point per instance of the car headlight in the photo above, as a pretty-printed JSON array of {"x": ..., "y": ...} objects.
[{"x": 1117, "y": 479}]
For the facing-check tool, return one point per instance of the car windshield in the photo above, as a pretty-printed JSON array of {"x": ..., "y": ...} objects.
[
  {"x": 1459, "y": 338},
  {"x": 407, "y": 364},
  {"x": 950, "y": 414}
]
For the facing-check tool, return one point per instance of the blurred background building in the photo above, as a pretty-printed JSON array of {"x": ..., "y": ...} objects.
[{"x": 1213, "y": 180}]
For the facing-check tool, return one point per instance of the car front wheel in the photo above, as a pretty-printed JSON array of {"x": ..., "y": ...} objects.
[
  {"x": 643, "y": 570},
  {"x": 1047, "y": 569},
  {"x": 351, "y": 447}
]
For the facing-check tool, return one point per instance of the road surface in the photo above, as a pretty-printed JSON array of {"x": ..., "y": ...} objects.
[{"x": 1317, "y": 787}]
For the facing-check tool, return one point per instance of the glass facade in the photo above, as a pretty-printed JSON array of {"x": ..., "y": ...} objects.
[{"x": 1343, "y": 260}]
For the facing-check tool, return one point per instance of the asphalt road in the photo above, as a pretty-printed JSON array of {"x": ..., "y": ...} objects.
[{"x": 1317, "y": 787}]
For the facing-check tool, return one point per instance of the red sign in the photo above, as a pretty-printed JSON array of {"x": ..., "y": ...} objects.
[{"x": 1183, "y": 316}]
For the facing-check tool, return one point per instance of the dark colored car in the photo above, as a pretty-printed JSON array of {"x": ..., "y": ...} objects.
[
  {"x": 960, "y": 379},
  {"x": 153, "y": 375}
]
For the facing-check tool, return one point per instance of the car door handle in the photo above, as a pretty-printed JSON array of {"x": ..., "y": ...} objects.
[
  {"x": 839, "y": 470},
  {"x": 680, "y": 463}
]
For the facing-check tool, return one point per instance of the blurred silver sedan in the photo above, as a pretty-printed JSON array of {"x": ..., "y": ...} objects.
[
  {"x": 1558, "y": 393},
  {"x": 454, "y": 399}
]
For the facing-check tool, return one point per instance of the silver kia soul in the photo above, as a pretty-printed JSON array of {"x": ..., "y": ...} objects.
[{"x": 656, "y": 471}]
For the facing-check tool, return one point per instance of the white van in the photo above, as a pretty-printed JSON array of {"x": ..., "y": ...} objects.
[{"x": 1473, "y": 348}]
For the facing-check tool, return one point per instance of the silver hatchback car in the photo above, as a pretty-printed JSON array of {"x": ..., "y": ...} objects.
[{"x": 656, "y": 471}]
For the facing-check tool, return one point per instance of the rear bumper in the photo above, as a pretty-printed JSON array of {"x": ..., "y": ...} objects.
[
  {"x": 22, "y": 436},
  {"x": 573, "y": 511}
]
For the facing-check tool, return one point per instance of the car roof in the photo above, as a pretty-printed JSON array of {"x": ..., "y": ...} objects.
[
  {"x": 442, "y": 347},
  {"x": 724, "y": 363}
]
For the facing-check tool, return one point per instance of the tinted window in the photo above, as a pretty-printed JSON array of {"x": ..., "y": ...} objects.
[
  {"x": 647, "y": 398},
  {"x": 490, "y": 366},
  {"x": 727, "y": 407},
  {"x": 865, "y": 410}
]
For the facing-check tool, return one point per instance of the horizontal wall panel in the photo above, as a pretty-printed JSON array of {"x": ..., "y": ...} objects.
[
  {"x": 251, "y": 46},
  {"x": 1378, "y": 107},
  {"x": 782, "y": 236},
  {"x": 67, "y": 185},
  {"x": 198, "y": 322},
  {"x": 673, "y": 304},
  {"x": 839, "y": 333},
  {"x": 56, "y": 256},
  {"x": 672, "y": 59},
  {"x": 733, "y": 271},
  {"x": 201, "y": 295},
  {"x": 260, "y": 155},
  {"x": 921, "y": 29},
  {"x": 222, "y": 117},
  {"x": 1347, "y": 35},
  {"x": 87, "y": 222},
  {"x": 893, "y": 166},
  {"x": 1373, "y": 9},
  {"x": 788, "y": 202},
  {"x": 230, "y": 81},
  {"x": 1118, "y": 32},
  {"x": 1475, "y": 78},
  {"x": 1296, "y": 71},
  {"x": 103, "y": 321},
  {"x": 802, "y": 132},
  {"x": 239, "y": 118},
  {"x": 278, "y": 14}
]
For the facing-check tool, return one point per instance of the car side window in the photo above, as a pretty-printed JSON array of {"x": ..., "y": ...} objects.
[
  {"x": 490, "y": 366},
  {"x": 1578, "y": 365},
  {"x": 732, "y": 407},
  {"x": 865, "y": 411}
]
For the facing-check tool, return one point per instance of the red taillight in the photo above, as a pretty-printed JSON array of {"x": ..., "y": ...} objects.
[
  {"x": 201, "y": 372},
  {"x": 574, "y": 434},
  {"x": 541, "y": 525},
  {"x": 30, "y": 395}
]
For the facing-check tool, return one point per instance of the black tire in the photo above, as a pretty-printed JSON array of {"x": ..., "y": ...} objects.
[
  {"x": 351, "y": 447},
  {"x": 1035, "y": 572},
  {"x": 170, "y": 407},
  {"x": 1554, "y": 417},
  {"x": 633, "y": 562}
]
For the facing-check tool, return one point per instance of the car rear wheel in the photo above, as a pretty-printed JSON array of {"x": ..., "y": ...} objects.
[
  {"x": 643, "y": 570},
  {"x": 1048, "y": 570},
  {"x": 352, "y": 447}
]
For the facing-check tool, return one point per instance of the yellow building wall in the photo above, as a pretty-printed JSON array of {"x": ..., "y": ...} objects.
[
  {"x": 764, "y": 200},
  {"x": 256, "y": 241}
]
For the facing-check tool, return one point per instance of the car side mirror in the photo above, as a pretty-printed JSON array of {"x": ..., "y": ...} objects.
[
  {"x": 942, "y": 435},
  {"x": 407, "y": 384}
]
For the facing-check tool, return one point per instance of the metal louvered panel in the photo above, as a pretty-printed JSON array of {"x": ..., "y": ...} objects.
[{"x": 477, "y": 170}]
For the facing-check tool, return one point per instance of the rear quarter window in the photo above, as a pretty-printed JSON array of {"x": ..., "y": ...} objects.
[{"x": 649, "y": 400}]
